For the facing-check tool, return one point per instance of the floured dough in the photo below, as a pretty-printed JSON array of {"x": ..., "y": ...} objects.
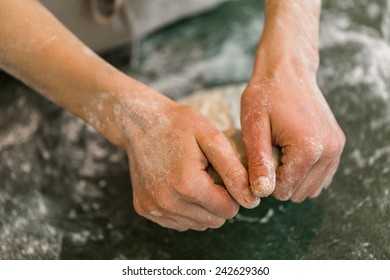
[{"x": 222, "y": 106}]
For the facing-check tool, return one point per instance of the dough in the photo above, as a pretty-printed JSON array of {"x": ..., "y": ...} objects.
[
  {"x": 222, "y": 106},
  {"x": 214, "y": 105}
]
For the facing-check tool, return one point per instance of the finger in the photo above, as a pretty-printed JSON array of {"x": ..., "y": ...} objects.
[
  {"x": 170, "y": 218},
  {"x": 334, "y": 170},
  {"x": 256, "y": 131},
  {"x": 161, "y": 213},
  {"x": 176, "y": 223},
  {"x": 159, "y": 218},
  {"x": 314, "y": 180},
  {"x": 168, "y": 223},
  {"x": 203, "y": 216},
  {"x": 188, "y": 223},
  {"x": 223, "y": 158},
  {"x": 297, "y": 160},
  {"x": 331, "y": 170},
  {"x": 197, "y": 214},
  {"x": 321, "y": 171},
  {"x": 213, "y": 198}
]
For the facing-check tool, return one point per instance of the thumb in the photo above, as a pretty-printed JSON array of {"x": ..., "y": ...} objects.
[
  {"x": 223, "y": 158},
  {"x": 256, "y": 136}
]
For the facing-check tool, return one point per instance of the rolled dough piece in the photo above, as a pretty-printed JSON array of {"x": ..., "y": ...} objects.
[{"x": 222, "y": 106}]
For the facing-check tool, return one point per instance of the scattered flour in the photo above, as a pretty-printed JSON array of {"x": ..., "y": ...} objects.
[{"x": 262, "y": 220}]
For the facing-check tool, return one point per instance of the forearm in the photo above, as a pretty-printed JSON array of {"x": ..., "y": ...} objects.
[
  {"x": 283, "y": 106},
  {"x": 169, "y": 145},
  {"x": 39, "y": 50},
  {"x": 290, "y": 34}
]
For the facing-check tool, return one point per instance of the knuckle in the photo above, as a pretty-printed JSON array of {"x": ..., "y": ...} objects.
[
  {"x": 312, "y": 148},
  {"x": 188, "y": 192},
  {"x": 165, "y": 203},
  {"x": 257, "y": 162},
  {"x": 187, "y": 110},
  {"x": 333, "y": 149},
  {"x": 336, "y": 145},
  {"x": 343, "y": 139},
  {"x": 236, "y": 172},
  {"x": 214, "y": 135},
  {"x": 247, "y": 97}
]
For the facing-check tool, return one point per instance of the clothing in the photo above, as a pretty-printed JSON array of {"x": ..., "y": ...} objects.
[{"x": 104, "y": 24}]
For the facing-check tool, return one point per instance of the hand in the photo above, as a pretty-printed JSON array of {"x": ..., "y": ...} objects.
[
  {"x": 169, "y": 149},
  {"x": 283, "y": 106},
  {"x": 169, "y": 145}
]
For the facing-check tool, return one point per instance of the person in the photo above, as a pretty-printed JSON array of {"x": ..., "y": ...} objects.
[{"x": 170, "y": 145}]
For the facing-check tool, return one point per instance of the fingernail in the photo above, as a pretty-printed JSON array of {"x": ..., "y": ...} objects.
[
  {"x": 262, "y": 187},
  {"x": 253, "y": 204}
]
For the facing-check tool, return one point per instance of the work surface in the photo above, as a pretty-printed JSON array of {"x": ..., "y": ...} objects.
[{"x": 65, "y": 191}]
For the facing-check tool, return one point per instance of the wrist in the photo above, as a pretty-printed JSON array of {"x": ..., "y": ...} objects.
[
  {"x": 125, "y": 109},
  {"x": 283, "y": 51},
  {"x": 290, "y": 35}
]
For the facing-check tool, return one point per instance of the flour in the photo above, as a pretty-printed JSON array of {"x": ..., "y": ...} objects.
[
  {"x": 155, "y": 214},
  {"x": 373, "y": 10},
  {"x": 371, "y": 65},
  {"x": 233, "y": 60},
  {"x": 251, "y": 219},
  {"x": 20, "y": 132}
]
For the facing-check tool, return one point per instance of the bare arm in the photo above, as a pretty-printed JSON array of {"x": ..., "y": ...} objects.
[
  {"x": 37, "y": 49},
  {"x": 169, "y": 145},
  {"x": 283, "y": 106}
]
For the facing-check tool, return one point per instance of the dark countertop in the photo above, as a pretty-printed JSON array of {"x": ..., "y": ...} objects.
[{"x": 65, "y": 191}]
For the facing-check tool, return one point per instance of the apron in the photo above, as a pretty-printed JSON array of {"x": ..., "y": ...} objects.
[{"x": 106, "y": 24}]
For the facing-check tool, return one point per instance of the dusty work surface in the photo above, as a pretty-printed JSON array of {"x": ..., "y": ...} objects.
[{"x": 65, "y": 191}]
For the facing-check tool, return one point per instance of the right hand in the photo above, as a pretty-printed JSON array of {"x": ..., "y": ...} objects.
[{"x": 169, "y": 146}]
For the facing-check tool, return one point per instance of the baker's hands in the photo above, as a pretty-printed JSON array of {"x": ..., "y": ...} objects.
[
  {"x": 169, "y": 146},
  {"x": 283, "y": 106}
]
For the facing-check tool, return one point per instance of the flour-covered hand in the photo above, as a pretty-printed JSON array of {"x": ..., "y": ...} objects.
[
  {"x": 169, "y": 147},
  {"x": 283, "y": 106}
]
